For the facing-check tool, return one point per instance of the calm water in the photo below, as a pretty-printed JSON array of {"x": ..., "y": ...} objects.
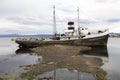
[
  {"x": 65, "y": 74},
  {"x": 113, "y": 65},
  {"x": 11, "y": 58}
]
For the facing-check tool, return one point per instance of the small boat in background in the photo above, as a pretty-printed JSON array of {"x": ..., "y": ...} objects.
[{"x": 71, "y": 36}]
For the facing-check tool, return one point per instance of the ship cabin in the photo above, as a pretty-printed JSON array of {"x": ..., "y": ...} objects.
[
  {"x": 83, "y": 31},
  {"x": 70, "y": 30}
]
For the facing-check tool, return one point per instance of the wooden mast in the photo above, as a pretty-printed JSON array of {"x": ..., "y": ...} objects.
[
  {"x": 78, "y": 16},
  {"x": 54, "y": 23},
  {"x": 55, "y": 37},
  {"x": 79, "y": 32}
]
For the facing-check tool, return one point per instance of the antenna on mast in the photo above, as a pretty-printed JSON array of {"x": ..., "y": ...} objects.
[{"x": 78, "y": 15}]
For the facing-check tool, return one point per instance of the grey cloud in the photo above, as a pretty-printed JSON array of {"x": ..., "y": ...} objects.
[
  {"x": 8, "y": 8},
  {"x": 106, "y": 1},
  {"x": 68, "y": 9},
  {"x": 101, "y": 0},
  {"x": 9, "y": 31},
  {"x": 83, "y": 21},
  {"x": 113, "y": 20},
  {"x": 22, "y": 30},
  {"x": 86, "y": 21},
  {"x": 21, "y": 7},
  {"x": 31, "y": 15},
  {"x": 29, "y": 21}
]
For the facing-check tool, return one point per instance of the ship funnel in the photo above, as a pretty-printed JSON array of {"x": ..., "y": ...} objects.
[{"x": 70, "y": 25}]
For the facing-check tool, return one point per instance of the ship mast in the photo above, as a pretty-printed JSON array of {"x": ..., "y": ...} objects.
[
  {"x": 54, "y": 22},
  {"x": 78, "y": 15},
  {"x": 79, "y": 32}
]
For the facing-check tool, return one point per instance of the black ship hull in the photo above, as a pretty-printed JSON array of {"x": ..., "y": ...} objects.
[{"x": 94, "y": 41}]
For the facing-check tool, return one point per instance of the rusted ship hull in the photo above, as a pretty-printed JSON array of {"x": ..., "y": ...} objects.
[{"x": 95, "y": 41}]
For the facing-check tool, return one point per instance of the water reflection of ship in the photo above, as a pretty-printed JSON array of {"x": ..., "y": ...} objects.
[
  {"x": 23, "y": 50},
  {"x": 55, "y": 75},
  {"x": 96, "y": 51},
  {"x": 99, "y": 52}
]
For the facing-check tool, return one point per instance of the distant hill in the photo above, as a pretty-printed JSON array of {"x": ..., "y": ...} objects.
[
  {"x": 114, "y": 34},
  {"x": 18, "y": 35},
  {"x": 9, "y": 35}
]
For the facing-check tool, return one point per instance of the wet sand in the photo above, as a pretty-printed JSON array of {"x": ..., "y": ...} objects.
[{"x": 63, "y": 56}]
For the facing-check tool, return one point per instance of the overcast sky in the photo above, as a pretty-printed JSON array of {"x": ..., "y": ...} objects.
[{"x": 36, "y": 16}]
